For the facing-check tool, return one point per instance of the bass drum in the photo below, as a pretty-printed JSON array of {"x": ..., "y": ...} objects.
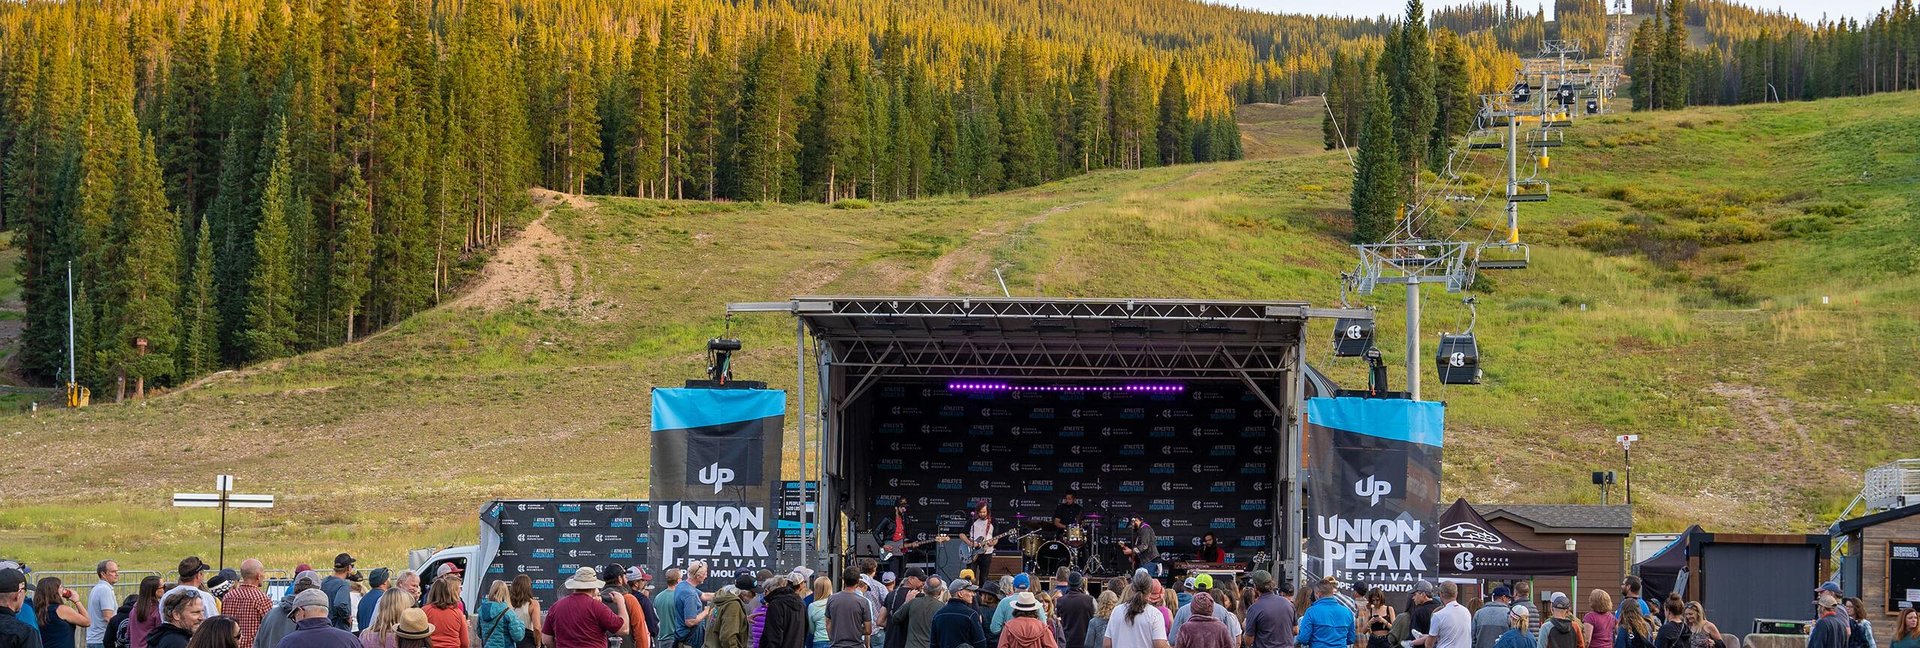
[{"x": 1052, "y": 556}]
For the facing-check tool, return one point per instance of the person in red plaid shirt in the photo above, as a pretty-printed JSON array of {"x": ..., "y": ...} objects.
[{"x": 247, "y": 603}]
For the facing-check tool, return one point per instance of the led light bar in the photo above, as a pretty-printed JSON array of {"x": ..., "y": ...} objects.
[{"x": 984, "y": 386}]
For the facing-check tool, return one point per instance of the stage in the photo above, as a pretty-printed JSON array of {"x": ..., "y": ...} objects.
[{"x": 1187, "y": 414}]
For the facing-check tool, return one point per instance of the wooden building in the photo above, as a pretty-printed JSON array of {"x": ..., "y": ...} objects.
[
  {"x": 1882, "y": 564},
  {"x": 1600, "y": 535}
]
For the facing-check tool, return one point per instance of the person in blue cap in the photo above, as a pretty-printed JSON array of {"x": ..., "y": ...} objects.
[
  {"x": 1492, "y": 619},
  {"x": 1004, "y": 613}
]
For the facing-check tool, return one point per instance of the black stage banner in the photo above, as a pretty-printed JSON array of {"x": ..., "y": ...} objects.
[
  {"x": 549, "y": 540},
  {"x": 716, "y": 467},
  {"x": 1189, "y": 461},
  {"x": 1374, "y": 479}
]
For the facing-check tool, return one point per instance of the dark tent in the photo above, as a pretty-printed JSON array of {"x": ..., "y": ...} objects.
[
  {"x": 1470, "y": 547},
  {"x": 1660, "y": 573}
]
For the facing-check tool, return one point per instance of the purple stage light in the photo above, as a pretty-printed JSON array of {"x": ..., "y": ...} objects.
[{"x": 986, "y": 386}]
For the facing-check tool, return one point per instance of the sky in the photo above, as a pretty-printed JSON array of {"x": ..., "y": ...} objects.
[{"x": 1809, "y": 10}]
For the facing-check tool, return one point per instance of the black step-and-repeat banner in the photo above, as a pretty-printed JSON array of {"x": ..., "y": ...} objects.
[
  {"x": 1374, "y": 479},
  {"x": 1189, "y": 461},
  {"x": 716, "y": 477},
  {"x": 549, "y": 540}
]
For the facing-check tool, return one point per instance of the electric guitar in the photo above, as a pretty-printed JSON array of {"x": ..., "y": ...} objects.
[
  {"x": 891, "y": 549},
  {"x": 985, "y": 545},
  {"x": 1132, "y": 554}
]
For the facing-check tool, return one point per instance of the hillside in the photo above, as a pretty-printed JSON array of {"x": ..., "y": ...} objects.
[{"x": 1723, "y": 356}]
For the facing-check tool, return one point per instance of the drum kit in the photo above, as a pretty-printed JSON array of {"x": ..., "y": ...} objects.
[{"x": 1073, "y": 547}]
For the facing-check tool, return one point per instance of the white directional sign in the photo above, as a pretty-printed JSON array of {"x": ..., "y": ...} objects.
[{"x": 224, "y": 498}]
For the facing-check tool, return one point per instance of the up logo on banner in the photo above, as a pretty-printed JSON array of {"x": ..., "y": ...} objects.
[
  {"x": 713, "y": 474},
  {"x": 1372, "y": 488}
]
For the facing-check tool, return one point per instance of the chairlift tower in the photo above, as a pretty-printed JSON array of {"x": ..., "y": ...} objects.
[{"x": 1412, "y": 262}]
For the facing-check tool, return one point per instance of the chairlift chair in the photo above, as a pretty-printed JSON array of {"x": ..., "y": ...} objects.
[
  {"x": 1480, "y": 140},
  {"x": 1352, "y": 337},
  {"x": 1546, "y": 137},
  {"x": 1502, "y": 256},
  {"x": 1529, "y": 190},
  {"x": 1593, "y": 106}
]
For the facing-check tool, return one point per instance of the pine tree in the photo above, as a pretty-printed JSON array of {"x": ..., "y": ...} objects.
[
  {"x": 1376, "y": 176},
  {"x": 831, "y": 137},
  {"x": 1014, "y": 96},
  {"x": 672, "y": 73},
  {"x": 771, "y": 121},
  {"x": 1674, "y": 77},
  {"x": 271, "y": 329},
  {"x": 148, "y": 233},
  {"x": 1643, "y": 65},
  {"x": 200, "y": 317},
  {"x": 352, "y": 256},
  {"x": 1175, "y": 126},
  {"x": 1453, "y": 96},
  {"x": 575, "y": 139},
  {"x": 644, "y": 138},
  {"x": 1411, "y": 81},
  {"x": 1089, "y": 114},
  {"x": 188, "y": 129}
]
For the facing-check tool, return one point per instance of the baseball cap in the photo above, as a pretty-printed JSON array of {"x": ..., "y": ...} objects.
[
  {"x": 916, "y": 572},
  {"x": 302, "y": 567},
  {"x": 343, "y": 561},
  {"x": 1829, "y": 586},
  {"x": 310, "y": 576},
  {"x": 962, "y": 585},
  {"x": 1519, "y": 611},
  {"x": 310, "y": 598},
  {"x": 635, "y": 573},
  {"x": 1261, "y": 578},
  {"x": 1560, "y": 602},
  {"x": 746, "y": 583},
  {"x": 888, "y": 578},
  {"x": 447, "y": 568},
  {"x": 1189, "y": 582},
  {"x": 966, "y": 574},
  {"x": 1423, "y": 587},
  {"x": 612, "y": 571},
  {"x": 1203, "y": 581},
  {"x": 1022, "y": 581},
  {"x": 192, "y": 566},
  {"x": 12, "y": 580},
  {"x": 1501, "y": 591},
  {"x": 378, "y": 576}
]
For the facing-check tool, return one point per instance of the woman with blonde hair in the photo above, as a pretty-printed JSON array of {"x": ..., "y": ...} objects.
[
  {"x": 380, "y": 632},
  {"x": 1701, "y": 632},
  {"x": 1598, "y": 624},
  {"x": 1097, "y": 626},
  {"x": 499, "y": 626}
]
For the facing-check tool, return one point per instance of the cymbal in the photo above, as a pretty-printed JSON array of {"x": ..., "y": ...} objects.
[{"x": 1037, "y": 524}]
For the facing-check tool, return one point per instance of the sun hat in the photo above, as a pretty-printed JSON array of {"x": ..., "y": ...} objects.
[
  {"x": 1025, "y": 602},
  {"x": 585, "y": 579},
  {"x": 414, "y": 625}
]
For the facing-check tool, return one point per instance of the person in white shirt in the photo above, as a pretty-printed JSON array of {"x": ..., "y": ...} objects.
[
  {"x": 101, "y": 602},
  {"x": 193, "y": 574},
  {"x": 978, "y": 537},
  {"x": 1452, "y": 623}
]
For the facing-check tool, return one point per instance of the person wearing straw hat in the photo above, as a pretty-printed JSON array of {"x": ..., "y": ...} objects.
[
  {"x": 413, "y": 631},
  {"x": 1025, "y": 629},
  {"x": 579, "y": 619}
]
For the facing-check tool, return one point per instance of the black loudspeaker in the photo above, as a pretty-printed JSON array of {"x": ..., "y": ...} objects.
[
  {"x": 1352, "y": 337},
  {"x": 1458, "y": 360},
  {"x": 946, "y": 559}
]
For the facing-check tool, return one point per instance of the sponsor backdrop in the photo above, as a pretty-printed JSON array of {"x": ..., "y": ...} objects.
[
  {"x": 548, "y": 540},
  {"x": 1374, "y": 480},
  {"x": 716, "y": 469},
  {"x": 1202, "y": 459}
]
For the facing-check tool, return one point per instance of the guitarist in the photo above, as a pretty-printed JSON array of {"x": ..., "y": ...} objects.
[
  {"x": 980, "y": 538},
  {"x": 893, "y": 535},
  {"x": 1145, "y": 549}
]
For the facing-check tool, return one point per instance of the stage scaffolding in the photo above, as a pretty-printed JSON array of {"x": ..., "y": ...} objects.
[{"x": 860, "y": 342}]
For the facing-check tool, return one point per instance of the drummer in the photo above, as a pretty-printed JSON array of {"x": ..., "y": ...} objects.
[{"x": 1066, "y": 514}]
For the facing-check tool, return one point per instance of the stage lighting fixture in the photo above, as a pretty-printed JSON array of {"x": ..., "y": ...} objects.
[{"x": 990, "y": 386}]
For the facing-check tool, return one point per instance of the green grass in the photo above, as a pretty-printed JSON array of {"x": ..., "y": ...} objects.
[{"x": 1757, "y": 404}]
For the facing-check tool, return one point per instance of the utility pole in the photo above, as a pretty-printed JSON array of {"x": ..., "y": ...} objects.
[
  {"x": 1413, "y": 339},
  {"x": 1626, "y": 453}
]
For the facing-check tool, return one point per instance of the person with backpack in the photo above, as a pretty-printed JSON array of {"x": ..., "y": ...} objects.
[{"x": 499, "y": 626}]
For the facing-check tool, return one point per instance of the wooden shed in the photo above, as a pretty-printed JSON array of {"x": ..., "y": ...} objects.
[
  {"x": 1881, "y": 563},
  {"x": 1600, "y": 534}
]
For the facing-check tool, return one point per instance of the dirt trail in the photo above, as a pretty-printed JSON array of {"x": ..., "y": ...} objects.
[
  {"x": 969, "y": 261},
  {"x": 534, "y": 267}
]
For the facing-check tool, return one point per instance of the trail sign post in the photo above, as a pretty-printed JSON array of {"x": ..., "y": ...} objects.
[{"x": 223, "y": 498}]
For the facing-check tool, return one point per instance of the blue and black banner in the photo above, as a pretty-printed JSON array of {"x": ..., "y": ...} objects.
[
  {"x": 1374, "y": 479},
  {"x": 716, "y": 468}
]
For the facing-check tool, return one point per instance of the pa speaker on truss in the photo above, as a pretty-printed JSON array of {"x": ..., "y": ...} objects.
[
  {"x": 1458, "y": 359},
  {"x": 1352, "y": 337}
]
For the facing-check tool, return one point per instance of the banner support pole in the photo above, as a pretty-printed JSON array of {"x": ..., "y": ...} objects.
[{"x": 800, "y": 377}]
